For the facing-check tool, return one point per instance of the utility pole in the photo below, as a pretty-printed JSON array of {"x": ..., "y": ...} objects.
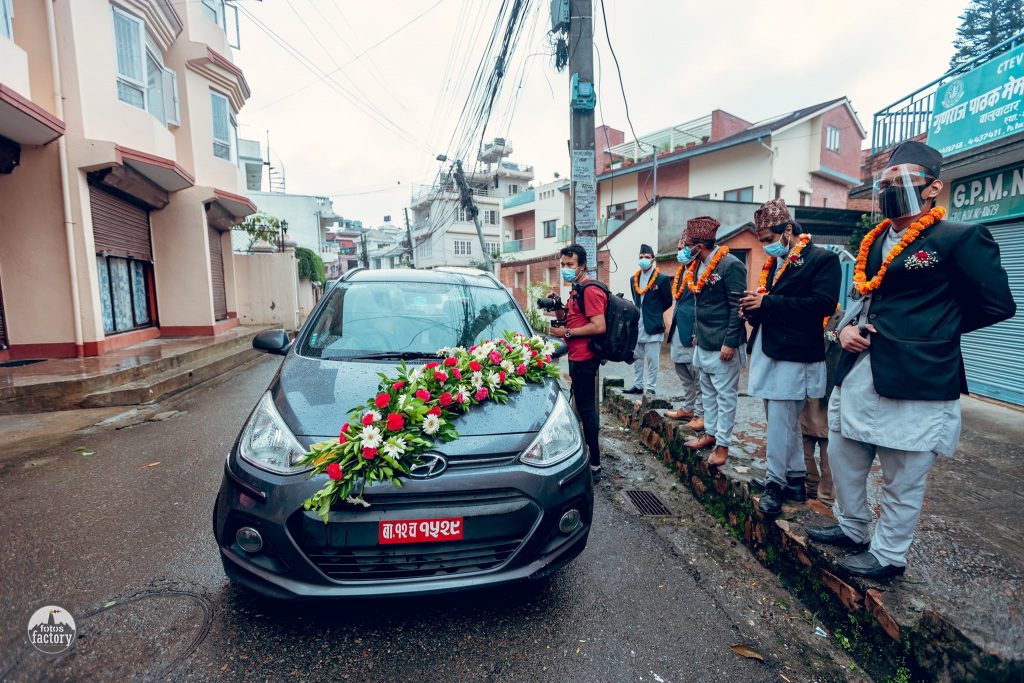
[
  {"x": 408, "y": 232},
  {"x": 467, "y": 203},
  {"x": 581, "y": 140},
  {"x": 365, "y": 257}
]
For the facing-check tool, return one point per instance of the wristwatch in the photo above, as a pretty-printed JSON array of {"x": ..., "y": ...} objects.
[{"x": 568, "y": 333}]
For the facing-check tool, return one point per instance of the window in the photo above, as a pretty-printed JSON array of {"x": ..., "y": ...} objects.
[
  {"x": 124, "y": 293},
  {"x": 702, "y": 196},
  {"x": 462, "y": 215},
  {"x": 490, "y": 216},
  {"x": 7, "y": 19},
  {"x": 778, "y": 191},
  {"x": 743, "y": 255},
  {"x": 214, "y": 11},
  {"x": 518, "y": 234},
  {"x": 549, "y": 228},
  {"x": 225, "y": 127},
  {"x": 805, "y": 198},
  {"x": 832, "y": 138},
  {"x": 142, "y": 79},
  {"x": 493, "y": 249},
  {"x": 743, "y": 194},
  {"x": 426, "y": 249},
  {"x": 513, "y": 189},
  {"x": 463, "y": 248},
  {"x": 622, "y": 212}
]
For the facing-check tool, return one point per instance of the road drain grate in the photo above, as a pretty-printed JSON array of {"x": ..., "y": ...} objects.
[{"x": 648, "y": 503}]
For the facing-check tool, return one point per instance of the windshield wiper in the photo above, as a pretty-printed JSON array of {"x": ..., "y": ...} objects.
[{"x": 399, "y": 355}]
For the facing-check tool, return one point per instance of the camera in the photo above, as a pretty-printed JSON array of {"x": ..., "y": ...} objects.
[{"x": 551, "y": 303}]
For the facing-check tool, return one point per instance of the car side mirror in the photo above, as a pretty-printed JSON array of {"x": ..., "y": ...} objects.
[
  {"x": 561, "y": 348},
  {"x": 272, "y": 341}
]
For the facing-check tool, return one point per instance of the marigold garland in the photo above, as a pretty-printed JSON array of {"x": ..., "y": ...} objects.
[
  {"x": 860, "y": 280},
  {"x": 762, "y": 287},
  {"x": 692, "y": 270},
  {"x": 678, "y": 286},
  {"x": 650, "y": 284}
]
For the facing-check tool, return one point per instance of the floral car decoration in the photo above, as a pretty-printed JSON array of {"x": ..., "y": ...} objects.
[{"x": 384, "y": 437}]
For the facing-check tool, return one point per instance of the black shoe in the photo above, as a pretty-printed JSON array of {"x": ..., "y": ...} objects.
[
  {"x": 770, "y": 502},
  {"x": 595, "y": 472},
  {"x": 833, "y": 535},
  {"x": 633, "y": 390},
  {"x": 867, "y": 565},
  {"x": 794, "y": 490},
  {"x": 650, "y": 393}
]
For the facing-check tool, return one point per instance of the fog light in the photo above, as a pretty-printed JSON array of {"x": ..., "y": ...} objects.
[
  {"x": 570, "y": 521},
  {"x": 249, "y": 539}
]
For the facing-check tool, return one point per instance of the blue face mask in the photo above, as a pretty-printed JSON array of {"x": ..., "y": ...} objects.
[
  {"x": 569, "y": 274},
  {"x": 644, "y": 263},
  {"x": 685, "y": 256},
  {"x": 776, "y": 249}
]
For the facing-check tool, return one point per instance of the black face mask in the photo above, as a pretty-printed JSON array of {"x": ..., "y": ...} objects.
[{"x": 897, "y": 202}]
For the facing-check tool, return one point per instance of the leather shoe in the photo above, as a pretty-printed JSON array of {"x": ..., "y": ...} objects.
[
  {"x": 633, "y": 390},
  {"x": 696, "y": 424},
  {"x": 867, "y": 565},
  {"x": 700, "y": 442},
  {"x": 770, "y": 502},
  {"x": 794, "y": 489},
  {"x": 833, "y": 534},
  {"x": 718, "y": 456},
  {"x": 678, "y": 414}
]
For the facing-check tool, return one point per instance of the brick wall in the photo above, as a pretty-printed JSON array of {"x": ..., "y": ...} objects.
[
  {"x": 724, "y": 124},
  {"x": 848, "y": 159},
  {"x": 525, "y": 222},
  {"x": 673, "y": 181},
  {"x": 825, "y": 192},
  {"x": 604, "y": 137}
]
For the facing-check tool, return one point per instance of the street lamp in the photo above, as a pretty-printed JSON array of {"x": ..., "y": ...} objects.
[{"x": 284, "y": 233}]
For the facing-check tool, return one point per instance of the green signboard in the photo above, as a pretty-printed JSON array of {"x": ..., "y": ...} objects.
[
  {"x": 990, "y": 196},
  {"x": 983, "y": 105}
]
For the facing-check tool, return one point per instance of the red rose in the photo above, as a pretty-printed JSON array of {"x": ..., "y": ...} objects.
[
  {"x": 434, "y": 411},
  {"x": 540, "y": 362},
  {"x": 395, "y": 422},
  {"x": 457, "y": 373},
  {"x": 382, "y": 400},
  {"x": 446, "y": 399},
  {"x": 501, "y": 376},
  {"x": 344, "y": 428},
  {"x": 921, "y": 256},
  {"x": 451, "y": 361},
  {"x": 430, "y": 366},
  {"x": 521, "y": 370},
  {"x": 423, "y": 395},
  {"x": 547, "y": 358},
  {"x": 399, "y": 385},
  {"x": 472, "y": 349},
  {"x": 369, "y": 453},
  {"x": 534, "y": 352},
  {"x": 441, "y": 377},
  {"x": 334, "y": 472},
  {"x": 495, "y": 357},
  {"x": 460, "y": 398},
  {"x": 368, "y": 419},
  {"x": 481, "y": 393},
  {"x": 474, "y": 366}
]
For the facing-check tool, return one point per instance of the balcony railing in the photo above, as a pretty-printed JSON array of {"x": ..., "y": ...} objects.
[
  {"x": 519, "y": 199},
  {"x": 516, "y": 246},
  {"x": 911, "y": 116}
]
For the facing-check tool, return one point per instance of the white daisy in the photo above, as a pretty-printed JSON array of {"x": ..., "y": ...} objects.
[
  {"x": 508, "y": 366},
  {"x": 414, "y": 375},
  {"x": 371, "y": 437},
  {"x": 374, "y": 415},
  {"x": 431, "y": 424},
  {"x": 536, "y": 340},
  {"x": 463, "y": 389},
  {"x": 394, "y": 447},
  {"x": 493, "y": 379},
  {"x": 477, "y": 380},
  {"x": 547, "y": 349},
  {"x": 403, "y": 402}
]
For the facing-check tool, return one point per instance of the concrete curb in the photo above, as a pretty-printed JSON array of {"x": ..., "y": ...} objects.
[{"x": 892, "y": 636}]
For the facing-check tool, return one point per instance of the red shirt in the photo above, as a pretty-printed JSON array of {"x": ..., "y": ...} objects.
[{"x": 596, "y": 303}]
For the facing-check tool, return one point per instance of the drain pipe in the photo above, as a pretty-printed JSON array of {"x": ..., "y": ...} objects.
[
  {"x": 65, "y": 185},
  {"x": 771, "y": 168}
]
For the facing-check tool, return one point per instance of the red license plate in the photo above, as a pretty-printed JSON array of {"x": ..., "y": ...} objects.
[{"x": 419, "y": 530}]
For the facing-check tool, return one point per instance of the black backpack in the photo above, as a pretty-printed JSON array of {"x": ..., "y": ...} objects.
[{"x": 622, "y": 325}]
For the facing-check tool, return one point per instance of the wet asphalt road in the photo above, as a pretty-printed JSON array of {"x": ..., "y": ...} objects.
[{"x": 126, "y": 545}]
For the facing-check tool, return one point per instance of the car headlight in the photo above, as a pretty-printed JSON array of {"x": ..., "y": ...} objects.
[
  {"x": 267, "y": 442},
  {"x": 559, "y": 439}
]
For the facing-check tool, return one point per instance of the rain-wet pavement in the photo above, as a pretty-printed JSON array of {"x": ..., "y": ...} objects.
[{"x": 123, "y": 540}]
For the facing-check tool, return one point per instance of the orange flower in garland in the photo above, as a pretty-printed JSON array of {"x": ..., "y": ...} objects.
[
  {"x": 692, "y": 270},
  {"x": 860, "y": 279},
  {"x": 678, "y": 284},
  {"x": 650, "y": 284},
  {"x": 762, "y": 287}
]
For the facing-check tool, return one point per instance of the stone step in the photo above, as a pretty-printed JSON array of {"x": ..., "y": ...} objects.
[{"x": 171, "y": 381}]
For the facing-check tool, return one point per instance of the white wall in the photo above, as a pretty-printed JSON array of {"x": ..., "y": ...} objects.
[
  {"x": 267, "y": 287},
  {"x": 303, "y": 215},
  {"x": 624, "y": 249},
  {"x": 730, "y": 169},
  {"x": 798, "y": 150}
]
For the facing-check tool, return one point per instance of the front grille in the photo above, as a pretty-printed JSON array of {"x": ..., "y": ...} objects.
[{"x": 419, "y": 560}]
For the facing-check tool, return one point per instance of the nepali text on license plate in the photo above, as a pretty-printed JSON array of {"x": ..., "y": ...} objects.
[{"x": 419, "y": 530}]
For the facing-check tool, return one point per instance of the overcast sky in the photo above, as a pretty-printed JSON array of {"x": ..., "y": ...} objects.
[{"x": 680, "y": 59}]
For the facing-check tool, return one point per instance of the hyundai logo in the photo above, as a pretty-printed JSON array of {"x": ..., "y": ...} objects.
[{"x": 429, "y": 465}]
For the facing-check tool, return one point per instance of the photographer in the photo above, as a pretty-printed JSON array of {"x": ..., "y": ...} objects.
[{"x": 576, "y": 328}]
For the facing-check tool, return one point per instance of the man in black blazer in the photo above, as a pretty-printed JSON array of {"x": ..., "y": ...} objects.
[
  {"x": 800, "y": 290},
  {"x": 922, "y": 282},
  {"x": 652, "y": 294}
]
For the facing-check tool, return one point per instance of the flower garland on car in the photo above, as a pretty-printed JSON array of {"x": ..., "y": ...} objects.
[
  {"x": 860, "y": 279},
  {"x": 650, "y": 283},
  {"x": 384, "y": 437},
  {"x": 762, "y": 287},
  {"x": 692, "y": 269}
]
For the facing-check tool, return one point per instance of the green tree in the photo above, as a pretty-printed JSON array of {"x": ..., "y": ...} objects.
[
  {"x": 311, "y": 266},
  {"x": 985, "y": 24},
  {"x": 863, "y": 227},
  {"x": 259, "y": 226}
]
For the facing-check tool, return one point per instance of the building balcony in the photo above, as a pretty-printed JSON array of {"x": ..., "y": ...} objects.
[
  {"x": 510, "y": 169},
  {"x": 519, "y": 199},
  {"x": 517, "y": 246}
]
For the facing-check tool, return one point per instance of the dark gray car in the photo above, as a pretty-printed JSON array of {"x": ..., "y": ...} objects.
[{"x": 518, "y": 477}]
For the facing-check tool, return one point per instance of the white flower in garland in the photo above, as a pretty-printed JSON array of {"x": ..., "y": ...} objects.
[
  {"x": 431, "y": 423},
  {"x": 374, "y": 415},
  {"x": 508, "y": 366},
  {"x": 547, "y": 349},
  {"x": 404, "y": 403},
  {"x": 414, "y": 375},
  {"x": 371, "y": 437},
  {"x": 394, "y": 447},
  {"x": 526, "y": 354},
  {"x": 477, "y": 380},
  {"x": 463, "y": 389},
  {"x": 493, "y": 379}
]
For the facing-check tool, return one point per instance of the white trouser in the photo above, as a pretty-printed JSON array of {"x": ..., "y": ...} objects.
[
  {"x": 719, "y": 393},
  {"x": 784, "y": 450},
  {"x": 904, "y": 474},
  {"x": 645, "y": 367},
  {"x": 690, "y": 378}
]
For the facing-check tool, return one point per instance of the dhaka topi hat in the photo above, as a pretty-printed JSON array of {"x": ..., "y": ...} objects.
[
  {"x": 646, "y": 249},
  {"x": 773, "y": 215},
  {"x": 914, "y": 152},
  {"x": 702, "y": 229}
]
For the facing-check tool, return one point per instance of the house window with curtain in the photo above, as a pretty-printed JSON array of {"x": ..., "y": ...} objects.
[
  {"x": 7, "y": 19},
  {"x": 225, "y": 127},
  {"x": 142, "y": 79}
]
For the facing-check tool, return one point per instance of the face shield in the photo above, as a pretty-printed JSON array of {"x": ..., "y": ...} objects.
[{"x": 897, "y": 190}]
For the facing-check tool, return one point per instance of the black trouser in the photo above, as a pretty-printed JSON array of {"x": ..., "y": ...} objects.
[{"x": 584, "y": 390}]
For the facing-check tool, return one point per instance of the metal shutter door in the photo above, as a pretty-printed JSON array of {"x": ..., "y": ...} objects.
[
  {"x": 3, "y": 325},
  {"x": 119, "y": 227},
  {"x": 220, "y": 298},
  {"x": 992, "y": 356}
]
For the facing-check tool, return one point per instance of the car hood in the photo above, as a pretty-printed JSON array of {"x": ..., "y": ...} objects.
[{"x": 315, "y": 397}]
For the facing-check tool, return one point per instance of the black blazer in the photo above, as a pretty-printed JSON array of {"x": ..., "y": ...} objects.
[
  {"x": 791, "y": 316},
  {"x": 954, "y": 284},
  {"x": 683, "y": 317},
  {"x": 656, "y": 301},
  {"x": 718, "y": 320}
]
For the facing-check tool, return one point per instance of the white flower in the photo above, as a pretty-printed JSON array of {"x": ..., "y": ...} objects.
[
  {"x": 527, "y": 354},
  {"x": 371, "y": 437},
  {"x": 547, "y": 349},
  {"x": 445, "y": 351},
  {"x": 493, "y": 379},
  {"x": 414, "y": 375},
  {"x": 375, "y": 416},
  {"x": 477, "y": 380},
  {"x": 431, "y": 424},
  {"x": 463, "y": 389},
  {"x": 508, "y": 366},
  {"x": 479, "y": 353},
  {"x": 394, "y": 447},
  {"x": 403, "y": 402}
]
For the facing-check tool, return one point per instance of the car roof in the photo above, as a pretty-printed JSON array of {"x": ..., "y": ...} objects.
[{"x": 457, "y": 276}]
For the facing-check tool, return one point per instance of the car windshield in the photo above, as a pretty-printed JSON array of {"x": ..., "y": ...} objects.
[{"x": 408, "y": 318}]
